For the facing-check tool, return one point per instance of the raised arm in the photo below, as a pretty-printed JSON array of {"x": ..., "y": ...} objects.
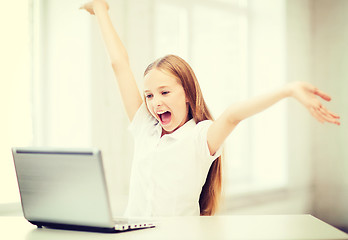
[
  {"x": 118, "y": 56},
  {"x": 305, "y": 93}
]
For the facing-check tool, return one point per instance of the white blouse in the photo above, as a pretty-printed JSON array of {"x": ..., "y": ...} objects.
[{"x": 168, "y": 172}]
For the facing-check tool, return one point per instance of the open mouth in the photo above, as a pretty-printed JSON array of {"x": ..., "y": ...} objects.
[{"x": 165, "y": 117}]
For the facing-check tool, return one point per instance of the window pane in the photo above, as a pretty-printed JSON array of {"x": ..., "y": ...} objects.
[
  {"x": 219, "y": 54},
  {"x": 171, "y": 30}
]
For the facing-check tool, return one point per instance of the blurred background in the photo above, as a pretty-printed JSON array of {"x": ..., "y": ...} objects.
[{"x": 57, "y": 89}]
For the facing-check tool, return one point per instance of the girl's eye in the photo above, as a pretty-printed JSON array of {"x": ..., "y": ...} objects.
[
  {"x": 148, "y": 95},
  {"x": 165, "y": 92}
]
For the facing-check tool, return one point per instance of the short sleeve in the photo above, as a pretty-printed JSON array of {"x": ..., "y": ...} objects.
[
  {"x": 203, "y": 149},
  {"x": 141, "y": 119}
]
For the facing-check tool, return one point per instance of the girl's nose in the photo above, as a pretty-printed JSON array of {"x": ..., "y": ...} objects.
[{"x": 157, "y": 101}]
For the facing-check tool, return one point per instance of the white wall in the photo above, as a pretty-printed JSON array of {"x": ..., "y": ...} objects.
[{"x": 329, "y": 150}]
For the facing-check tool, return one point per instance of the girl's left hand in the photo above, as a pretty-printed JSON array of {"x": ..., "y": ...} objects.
[{"x": 307, "y": 94}]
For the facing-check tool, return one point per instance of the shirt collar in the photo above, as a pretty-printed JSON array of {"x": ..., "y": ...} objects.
[{"x": 180, "y": 132}]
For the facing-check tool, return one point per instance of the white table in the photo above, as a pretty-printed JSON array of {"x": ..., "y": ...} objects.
[{"x": 178, "y": 228}]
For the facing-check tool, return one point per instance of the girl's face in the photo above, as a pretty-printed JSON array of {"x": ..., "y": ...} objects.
[{"x": 166, "y": 100}]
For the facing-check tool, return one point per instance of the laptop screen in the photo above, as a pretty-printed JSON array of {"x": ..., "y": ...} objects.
[{"x": 63, "y": 186}]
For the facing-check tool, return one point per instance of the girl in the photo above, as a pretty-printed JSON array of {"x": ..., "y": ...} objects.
[{"x": 177, "y": 164}]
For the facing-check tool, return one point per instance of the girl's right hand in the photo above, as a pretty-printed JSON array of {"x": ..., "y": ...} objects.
[{"x": 90, "y": 6}]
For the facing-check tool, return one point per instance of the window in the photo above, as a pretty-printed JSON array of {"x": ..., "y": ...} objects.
[
  {"x": 237, "y": 50},
  {"x": 46, "y": 95}
]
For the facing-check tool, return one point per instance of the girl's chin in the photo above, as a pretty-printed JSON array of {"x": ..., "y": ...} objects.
[{"x": 167, "y": 129}]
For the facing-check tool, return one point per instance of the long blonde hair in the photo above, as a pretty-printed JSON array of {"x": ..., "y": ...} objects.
[{"x": 198, "y": 110}]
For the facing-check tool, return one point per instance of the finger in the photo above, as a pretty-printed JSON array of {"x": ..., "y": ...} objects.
[
  {"x": 316, "y": 115},
  {"x": 321, "y": 94},
  {"x": 329, "y": 118},
  {"x": 325, "y": 111},
  {"x": 333, "y": 114},
  {"x": 325, "y": 114},
  {"x": 329, "y": 113}
]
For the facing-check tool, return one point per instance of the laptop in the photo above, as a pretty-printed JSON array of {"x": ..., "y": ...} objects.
[{"x": 66, "y": 189}]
